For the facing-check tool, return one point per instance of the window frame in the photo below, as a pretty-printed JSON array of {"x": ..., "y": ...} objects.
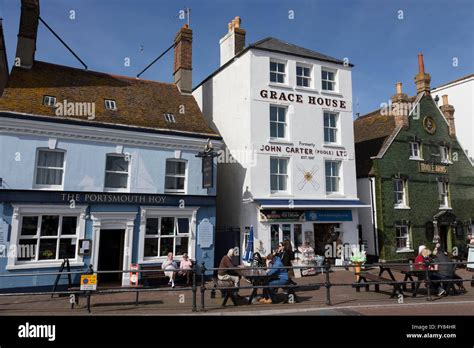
[
  {"x": 185, "y": 176},
  {"x": 110, "y": 102},
  {"x": 177, "y": 213},
  {"x": 420, "y": 151},
  {"x": 49, "y": 98},
  {"x": 278, "y": 73},
  {"x": 169, "y": 117},
  {"x": 334, "y": 129},
  {"x": 309, "y": 78},
  {"x": 333, "y": 82},
  {"x": 445, "y": 154},
  {"x": 339, "y": 178},
  {"x": 35, "y": 174},
  {"x": 21, "y": 211},
  {"x": 444, "y": 195},
  {"x": 277, "y": 122},
  {"x": 116, "y": 189},
  {"x": 406, "y": 237},
  {"x": 404, "y": 204},
  {"x": 287, "y": 175}
]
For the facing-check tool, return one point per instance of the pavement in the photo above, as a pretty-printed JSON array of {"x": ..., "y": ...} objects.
[{"x": 178, "y": 301}]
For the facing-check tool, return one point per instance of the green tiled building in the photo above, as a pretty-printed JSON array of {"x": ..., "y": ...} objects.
[{"x": 415, "y": 174}]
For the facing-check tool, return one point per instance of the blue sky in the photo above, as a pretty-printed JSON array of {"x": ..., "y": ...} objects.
[{"x": 382, "y": 47}]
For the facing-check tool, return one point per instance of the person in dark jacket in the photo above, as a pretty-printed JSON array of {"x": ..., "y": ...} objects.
[
  {"x": 447, "y": 268},
  {"x": 279, "y": 276}
]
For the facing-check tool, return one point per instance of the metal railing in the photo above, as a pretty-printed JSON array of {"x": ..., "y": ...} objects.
[{"x": 200, "y": 277}]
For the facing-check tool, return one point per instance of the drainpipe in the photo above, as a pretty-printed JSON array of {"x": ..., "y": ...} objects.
[{"x": 372, "y": 200}]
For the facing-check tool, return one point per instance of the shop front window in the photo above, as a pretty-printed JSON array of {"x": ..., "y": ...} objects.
[
  {"x": 47, "y": 237},
  {"x": 298, "y": 236},
  {"x": 166, "y": 234}
]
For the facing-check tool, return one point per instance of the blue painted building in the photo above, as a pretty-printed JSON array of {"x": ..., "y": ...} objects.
[{"x": 100, "y": 169}]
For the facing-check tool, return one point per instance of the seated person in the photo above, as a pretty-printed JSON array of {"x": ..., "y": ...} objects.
[
  {"x": 228, "y": 274},
  {"x": 446, "y": 268},
  {"x": 257, "y": 260},
  {"x": 170, "y": 266},
  {"x": 279, "y": 275},
  {"x": 185, "y": 268},
  {"x": 424, "y": 262}
]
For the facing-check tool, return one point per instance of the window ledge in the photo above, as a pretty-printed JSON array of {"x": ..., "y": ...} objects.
[
  {"x": 48, "y": 187},
  {"x": 280, "y": 141},
  {"x": 279, "y": 85},
  {"x": 334, "y": 145},
  {"x": 415, "y": 158},
  {"x": 280, "y": 194},
  {"x": 334, "y": 195},
  {"x": 405, "y": 250},
  {"x": 306, "y": 89},
  {"x": 38, "y": 265},
  {"x": 111, "y": 190},
  {"x": 443, "y": 207},
  {"x": 401, "y": 207},
  {"x": 333, "y": 93}
]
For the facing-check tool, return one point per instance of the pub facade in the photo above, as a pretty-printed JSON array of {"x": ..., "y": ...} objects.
[
  {"x": 285, "y": 115},
  {"x": 415, "y": 175},
  {"x": 117, "y": 186}
]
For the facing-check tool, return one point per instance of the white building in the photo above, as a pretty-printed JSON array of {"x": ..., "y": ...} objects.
[
  {"x": 461, "y": 95},
  {"x": 285, "y": 114}
]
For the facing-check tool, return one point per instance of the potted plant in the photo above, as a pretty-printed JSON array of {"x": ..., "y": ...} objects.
[{"x": 358, "y": 258}]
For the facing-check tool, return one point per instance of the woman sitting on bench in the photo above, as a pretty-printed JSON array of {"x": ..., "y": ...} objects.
[
  {"x": 279, "y": 274},
  {"x": 170, "y": 266}
]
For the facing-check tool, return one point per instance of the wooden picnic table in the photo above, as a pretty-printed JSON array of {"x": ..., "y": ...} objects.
[
  {"x": 410, "y": 271},
  {"x": 257, "y": 277}
]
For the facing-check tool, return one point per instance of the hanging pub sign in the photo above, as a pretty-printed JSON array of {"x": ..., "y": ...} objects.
[
  {"x": 207, "y": 172},
  {"x": 281, "y": 215}
]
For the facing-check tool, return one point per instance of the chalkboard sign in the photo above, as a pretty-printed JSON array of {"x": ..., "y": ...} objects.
[{"x": 470, "y": 257}]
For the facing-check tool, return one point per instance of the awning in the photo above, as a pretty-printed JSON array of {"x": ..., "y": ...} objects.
[{"x": 310, "y": 203}]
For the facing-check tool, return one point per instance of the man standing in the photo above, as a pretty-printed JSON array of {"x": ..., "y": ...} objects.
[{"x": 228, "y": 274}]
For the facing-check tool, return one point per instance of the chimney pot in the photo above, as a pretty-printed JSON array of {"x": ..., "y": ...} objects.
[
  {"x": 445, "y": 99},
  {"x": 399, "y": 87},
  {"x": 421, "y": 64},
  {"x": 422, "y": 79}
]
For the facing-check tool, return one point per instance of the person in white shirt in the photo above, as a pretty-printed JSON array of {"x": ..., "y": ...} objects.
[{"x": 170, "y": 266}]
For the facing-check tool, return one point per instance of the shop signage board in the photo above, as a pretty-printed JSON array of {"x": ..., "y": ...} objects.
[
  {"x": 281, "y": 215},
  {"x": 433, "y": 168},
  {"x": 205, "y": 234},
  {"x": 303, "y": 149},
  {"x": 89, "y": 282},
  {"x": 68, "y": 197},
  {"x": 329, "y": 215}
]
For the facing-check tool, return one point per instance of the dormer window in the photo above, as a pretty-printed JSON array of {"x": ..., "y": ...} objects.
[
  {"x": 110, "y": 104},
  {"x": 49, "y": 101},
  {"x": 169, "y": 118}
]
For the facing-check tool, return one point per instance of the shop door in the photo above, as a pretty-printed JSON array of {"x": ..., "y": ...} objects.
[
  {"x": 111, "y": 255},
  {"x": 322, "y": 236},
  {"x": 443, "y": 237}
]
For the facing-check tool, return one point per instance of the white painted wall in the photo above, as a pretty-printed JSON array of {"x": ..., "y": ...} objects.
[
  {"x": 366, "y": 217},
  {"x": 232, "y": 104},
  {"x": 461, "y": 96}
]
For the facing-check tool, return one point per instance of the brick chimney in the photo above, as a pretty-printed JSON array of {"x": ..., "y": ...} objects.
[
  {"x": 422, "y": 79},
  {"x": 448, "y": 111},
  {"x": 400, "y": 108},
  {"x": 183, "y": 59},
  {"x": 3, "y": 61},
  {"x": 26, "y": 47},
  {"x": 233, "y": 42}
]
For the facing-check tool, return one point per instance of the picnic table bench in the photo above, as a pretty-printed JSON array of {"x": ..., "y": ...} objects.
[{"x": 366, "y": 279}]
